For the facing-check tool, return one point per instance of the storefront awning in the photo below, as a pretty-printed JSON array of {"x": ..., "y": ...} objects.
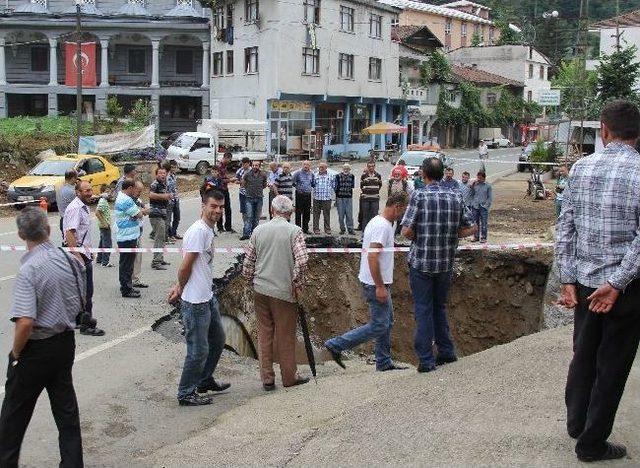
[{"x": 384, "y": 128}]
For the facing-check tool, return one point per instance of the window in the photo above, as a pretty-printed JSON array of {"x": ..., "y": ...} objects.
[
  {"x": 447, "y": 27},
  {"x": 229, "y": 62},
  {"x": 491, "y": 35},
  {"x": 346, "y": 18},
  {"x": 395, "y": 22},
  {"x": 529, "y": 96},
  {"x": 492, "y": 98},
  {"x": 312, "y": 11},
  {"x": 530, "y": 71},
  {"x": 541, "y": 72},
  {"x": 251, "y": 60},
  {"x": 229, "y": 15},
  {"x": 137, "y": 61},
  {"x": 375, "y": 69},
  {"x": 184, "y": 62},
  {"x": 375, "y": 26},
  {"x": 93, "y": 166},
  {"x": 39, "y": 59},
  {"x": 463, "y": 29},
  {"x": 218, "y": 17},
  {"x": 345, "y": 66},
  {"x": 251, "y": 11},
  {"x": 217, "y": 64},
  {"x": 311, "y": 61}
]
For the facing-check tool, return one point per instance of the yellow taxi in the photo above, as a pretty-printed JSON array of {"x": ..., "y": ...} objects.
[{"x": 47, "y": 177}]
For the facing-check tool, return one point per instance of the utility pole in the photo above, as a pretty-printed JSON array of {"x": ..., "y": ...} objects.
[
  {"x": 618, "y": 25},
  {"x": 584, "y": 23},
  {"x": 78, "y": 64}
]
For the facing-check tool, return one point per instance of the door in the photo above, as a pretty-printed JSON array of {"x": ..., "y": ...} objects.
[{"x": 279, "y": 136}]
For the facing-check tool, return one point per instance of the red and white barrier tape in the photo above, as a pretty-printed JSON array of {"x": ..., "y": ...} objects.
[
  {"x": 19, "y": 203},
  {"x": 329, "y": 250},
  {"x": 499, "y": 161}
]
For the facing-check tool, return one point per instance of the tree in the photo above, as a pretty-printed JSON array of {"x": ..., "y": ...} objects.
[
  {"x": 618, "y": 74},
  {"x": 578, "y": 89},
  {"x": 207, "y": 3},
  {"x": 435, "y": 70},
  {"x": 476, "y": 40}
]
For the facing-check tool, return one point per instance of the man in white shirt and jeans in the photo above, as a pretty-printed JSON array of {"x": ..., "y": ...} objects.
[
  {"x": 376, "y": 275},
  {"x": 200, "y": 314}
]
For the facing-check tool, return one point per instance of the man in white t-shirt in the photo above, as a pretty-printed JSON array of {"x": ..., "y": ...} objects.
[
  {"x": 200, "y": 314},
  {"x": 376, "y": 275}
]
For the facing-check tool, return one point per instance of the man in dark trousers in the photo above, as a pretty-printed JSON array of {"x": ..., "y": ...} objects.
[
  {"x": 224, "y": 175},
  {"x": 598, "y": 257},
  {"x": 304, "y": 182},
  {"x": 46, "y": 299}
]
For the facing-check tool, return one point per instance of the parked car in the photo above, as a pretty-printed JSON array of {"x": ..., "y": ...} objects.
[
  {"x": 46, "y": 178},
  {"x": 498, "y": 143},
  {"x": 525, "y": 155},
  {"x": 414, "y": 159}
]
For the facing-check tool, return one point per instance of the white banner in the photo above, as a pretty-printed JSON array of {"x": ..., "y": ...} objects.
[{"x": 117, "y": 142}]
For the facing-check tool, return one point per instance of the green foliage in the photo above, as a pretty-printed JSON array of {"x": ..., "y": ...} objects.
[
  {"x": 476, "y": 40},
  {"x": 114, "y": 109},
  {"x": 207, "y": 3},
  {"x": 141, "y": 114},
  {"x": 507, "y": 35},
  {"x": 435, "y": 70},
  {"x": 617, "y": 75},
  {"x": 16, "y": 127},
  {"x": 470, "y": 111},
  {"x": 578, "y": 88}
]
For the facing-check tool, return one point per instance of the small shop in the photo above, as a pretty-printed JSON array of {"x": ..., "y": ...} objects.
[{"x": 290, "y": 125}]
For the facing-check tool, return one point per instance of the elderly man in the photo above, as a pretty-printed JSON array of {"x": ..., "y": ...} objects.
[
  {"x": 284, "y": 182},
  {"x": 304, "y": 182},
  {"x": 254, "y": 182},
  {"x": 598, "y": 257},
  {"x": 322, "y": 197},
  {"x": 435, "y": 219},
  {"x": 344, "y": 183},
  {"x": 376, "y": 276},
  {"x": 159, "y": 198},
  {"x": 370, "y": 184},
  {"x": 48, "y": 295},
  {"x": 77, "y": 233},
  {"x": 66, "y": 194},
  {"x": 275, "y": 264}
]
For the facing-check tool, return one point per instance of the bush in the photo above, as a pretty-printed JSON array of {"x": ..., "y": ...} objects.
[
  {"x": 114, "y": 109},
  {"x": 140, "y": 114}
]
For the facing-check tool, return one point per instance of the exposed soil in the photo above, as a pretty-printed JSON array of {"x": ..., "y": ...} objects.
[{"x": 496, "y": 297}]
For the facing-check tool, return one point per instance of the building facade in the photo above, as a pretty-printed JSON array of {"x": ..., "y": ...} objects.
[
  {"x": 318, "y": 71},
  {"x": 155, "y": 50},
  {"x": 453, "y": 26},
  {"x": 517, "y": 62}
]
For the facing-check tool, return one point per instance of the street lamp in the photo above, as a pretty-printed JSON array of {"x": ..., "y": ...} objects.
[{"x": 550, "y": 14}]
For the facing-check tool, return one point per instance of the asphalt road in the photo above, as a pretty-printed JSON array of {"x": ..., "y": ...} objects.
[{"x": 126, "y": 380}]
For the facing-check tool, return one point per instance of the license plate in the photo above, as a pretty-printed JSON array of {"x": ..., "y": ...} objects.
[{"x": 25, "y": 198}]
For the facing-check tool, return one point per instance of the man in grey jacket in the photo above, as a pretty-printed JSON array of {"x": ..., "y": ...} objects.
[
  {"x": 275, "y": 264},
  {"x": 481, "y": 197}
]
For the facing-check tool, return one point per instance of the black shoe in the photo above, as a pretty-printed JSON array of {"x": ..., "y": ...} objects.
[
  {"x": 392, "y": 367},
  {"x": 299, "y": 381},
  {"x": 211, "y": 384},
  {"x": 612, "y": 452},
  {"x": 337, "y": 357},
  {"x": 158, "y": 267},
  {"x": 140, "y": 285},
  {"x": 132, "y": 294},
  {"x": 352, "y": 232},
  {"x": 269, "y": 387},
  {"x": 195, "y": 400},
  {"x": 177, "y": 237},
  {"x": 91, "y": 331},
  {"x": 441, "y": 361},
  {"x": 244, "y": 238},
  {"x": 424, "y": 369},
  {"x": 165, "y": 263}
]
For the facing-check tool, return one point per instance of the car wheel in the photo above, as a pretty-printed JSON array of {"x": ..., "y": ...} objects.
[{"x": 201, "y": 167}]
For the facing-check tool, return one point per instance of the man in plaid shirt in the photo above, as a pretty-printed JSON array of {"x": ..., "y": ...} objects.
[
  {"x": 322, "y": 197},
  {"x": 435, "y": 219},
  {"x": 598, "y": 257}
]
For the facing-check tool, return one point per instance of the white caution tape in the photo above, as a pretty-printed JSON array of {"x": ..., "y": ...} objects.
[
  {"x": 325, "y": 250},
  {"x": 498, "y": 161},
  {"x": 20, "y": 203}
]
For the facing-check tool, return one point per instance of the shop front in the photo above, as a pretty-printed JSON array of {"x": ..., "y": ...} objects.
[{"x": 290, "y": 128}]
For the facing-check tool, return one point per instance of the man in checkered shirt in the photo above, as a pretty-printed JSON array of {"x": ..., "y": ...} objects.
[
  {"x": 598, "y": 257},
  {"x": 435, "y": 219}
]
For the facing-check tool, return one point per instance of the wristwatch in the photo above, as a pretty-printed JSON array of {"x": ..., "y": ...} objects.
[{"x": 13, "y": 360}]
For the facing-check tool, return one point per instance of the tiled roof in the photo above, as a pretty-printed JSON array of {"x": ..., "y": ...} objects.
[
  {"x": 464, "y": 3},
  {"x": 402, "y": 33},
  {"x": 434, "y": 9},
  {"x": 474, "y": 75},
  {"x": 628, "y": 19}
]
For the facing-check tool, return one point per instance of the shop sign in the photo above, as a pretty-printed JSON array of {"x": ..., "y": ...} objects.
[{"x": 289, "y": 106}]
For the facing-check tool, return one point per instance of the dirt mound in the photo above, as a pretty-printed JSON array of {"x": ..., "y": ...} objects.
[{"x": 496, "y": 297}]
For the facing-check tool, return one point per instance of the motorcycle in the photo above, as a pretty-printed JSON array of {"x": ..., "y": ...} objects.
[{"x": 535, "y": 186}]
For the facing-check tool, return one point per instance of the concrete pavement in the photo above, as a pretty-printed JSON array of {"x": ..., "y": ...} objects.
[{"x": 133, "y": 368}]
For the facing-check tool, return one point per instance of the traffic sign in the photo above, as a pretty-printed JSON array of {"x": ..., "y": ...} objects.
[{"x": 549, "y": 97}]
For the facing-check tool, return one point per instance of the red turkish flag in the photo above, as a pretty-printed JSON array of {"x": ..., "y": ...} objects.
[{"x": 88, "y": 61}]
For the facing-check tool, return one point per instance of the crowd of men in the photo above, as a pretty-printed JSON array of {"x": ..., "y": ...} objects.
[{"x": 597, "y": 253}]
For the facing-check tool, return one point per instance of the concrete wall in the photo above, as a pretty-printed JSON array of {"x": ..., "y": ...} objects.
[
  {"x": 154, "y": 7},
  {"x": 280, "y": 40}
]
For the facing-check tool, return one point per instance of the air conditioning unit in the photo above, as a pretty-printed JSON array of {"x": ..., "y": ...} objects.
[{"x": 340, "y": 114}]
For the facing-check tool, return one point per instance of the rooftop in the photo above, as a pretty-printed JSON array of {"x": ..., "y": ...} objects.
[
  {"x": 464, "y": 3},
  {"x": 628, "y": 19},
  {"x": 475, "y": 75},
  {"x": 417, "y": 36},
  {"x": 434, "y": 9}
]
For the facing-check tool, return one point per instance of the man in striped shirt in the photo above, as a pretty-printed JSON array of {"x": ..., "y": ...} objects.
[
  {"x": 370, "y": 184},
  {"x": 48, "y": 295},
  {"x": 284, "y": 182},
  {"x": 322, "y": 197},
  {"x": 128, "y": 215}
]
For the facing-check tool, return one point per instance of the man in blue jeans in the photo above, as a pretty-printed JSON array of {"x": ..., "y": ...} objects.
[
  {"x": 202, "y": 322},
  {"x": 254, "y": 183},
  {"x": 435, "y": 218},
  {"x": 481, "y": 197},
  {"x": 376, "y": 275}
]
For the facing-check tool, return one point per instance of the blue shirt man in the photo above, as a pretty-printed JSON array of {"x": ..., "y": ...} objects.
[{"x": 128, "y": 215}]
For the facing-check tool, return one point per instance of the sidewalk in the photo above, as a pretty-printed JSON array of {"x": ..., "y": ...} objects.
[{"x": 501, "y": 407}]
